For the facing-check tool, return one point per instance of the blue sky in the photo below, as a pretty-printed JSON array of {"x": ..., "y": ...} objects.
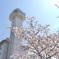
[{"x": 44, "y": 11}]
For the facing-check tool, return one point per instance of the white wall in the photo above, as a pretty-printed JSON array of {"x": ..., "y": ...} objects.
[{"x": 4, "y": 50}]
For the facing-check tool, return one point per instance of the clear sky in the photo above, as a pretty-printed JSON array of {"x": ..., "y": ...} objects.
[{"x": 44, "y": 11}]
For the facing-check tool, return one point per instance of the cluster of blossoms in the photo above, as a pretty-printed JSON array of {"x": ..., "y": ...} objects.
[{"x": 40, "y": 43}]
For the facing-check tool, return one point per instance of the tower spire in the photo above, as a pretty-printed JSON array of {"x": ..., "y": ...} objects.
[
  {"x": 17, "y": 12},
  {"x": 16, "y": 17}
]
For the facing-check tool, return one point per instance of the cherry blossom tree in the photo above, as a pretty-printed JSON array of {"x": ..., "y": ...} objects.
[
  {"x": 40, "y": 44},
  {"x": 57, "y": 5}
]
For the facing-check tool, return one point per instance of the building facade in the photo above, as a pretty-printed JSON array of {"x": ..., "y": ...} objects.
[{"x": 9, "y": 46}]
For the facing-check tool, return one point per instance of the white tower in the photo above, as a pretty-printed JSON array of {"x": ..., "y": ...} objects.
[{"x": 16, "y": 17}]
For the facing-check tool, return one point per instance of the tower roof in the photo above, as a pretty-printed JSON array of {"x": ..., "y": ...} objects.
[
  {"x": 6, "y": 40},
  {"x": 17, "y": 12}
]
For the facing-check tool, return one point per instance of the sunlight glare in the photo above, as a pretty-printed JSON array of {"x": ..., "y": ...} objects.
[{"x": 55, "y": 2}]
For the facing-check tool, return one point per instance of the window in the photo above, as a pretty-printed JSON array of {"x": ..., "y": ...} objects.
[
  {"x": 0, "y": 53},
  {"x": 0, "y": 47}
]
